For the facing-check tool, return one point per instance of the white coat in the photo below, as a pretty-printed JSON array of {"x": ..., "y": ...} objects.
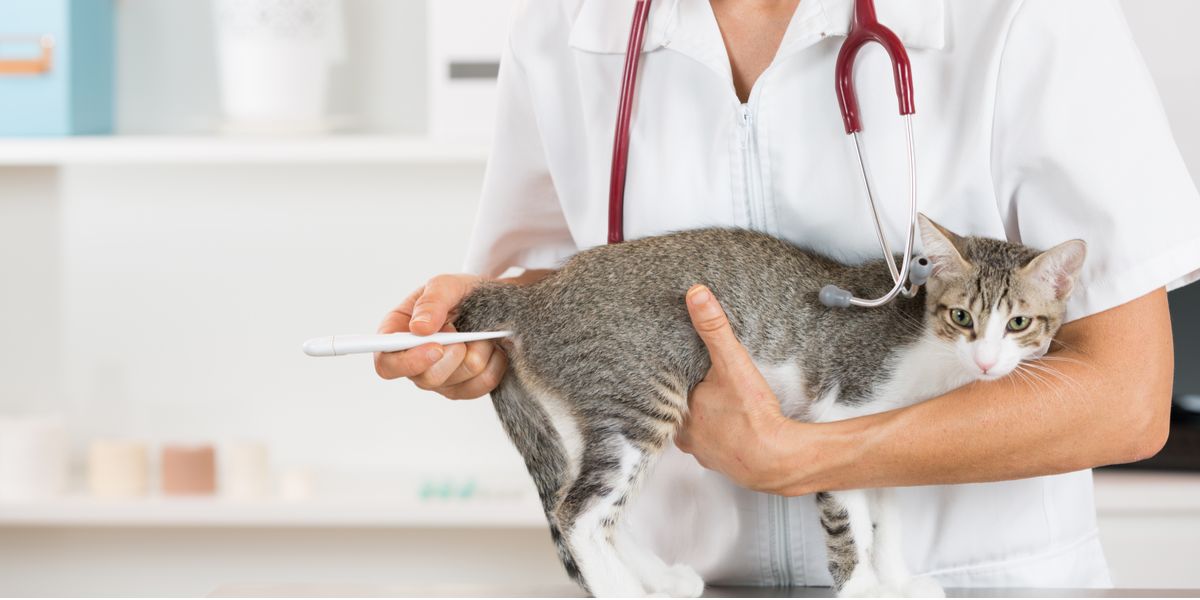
[{"x": 1036, "y": 122}]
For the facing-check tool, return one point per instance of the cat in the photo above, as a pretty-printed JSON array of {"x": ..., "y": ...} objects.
[{"x": 604, "y": 355}]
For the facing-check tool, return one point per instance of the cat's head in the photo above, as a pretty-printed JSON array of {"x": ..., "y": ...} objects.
[{"x": 996, "y": 302}]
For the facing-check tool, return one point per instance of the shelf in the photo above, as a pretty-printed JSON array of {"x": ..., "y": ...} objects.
[
  {"x": 217, "y": 149},
  {"x": 1117, "y": 492},
  {"x": 81, "y": 511}
]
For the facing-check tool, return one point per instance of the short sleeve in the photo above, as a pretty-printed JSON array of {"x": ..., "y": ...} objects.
[
  {"x": 520, "y": 222},
  {"x": 1082, "y": 149}
]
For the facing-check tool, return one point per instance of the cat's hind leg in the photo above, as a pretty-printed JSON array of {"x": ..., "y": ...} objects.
[
  {"x": 590, "y": 509},
  {"x": 849, "y": 539},
  {"x": 888, "y": 553},
  {"x": 544, "y": 439}
]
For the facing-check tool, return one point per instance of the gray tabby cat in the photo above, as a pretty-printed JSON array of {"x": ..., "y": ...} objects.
[{"x": 604, "y": 356}]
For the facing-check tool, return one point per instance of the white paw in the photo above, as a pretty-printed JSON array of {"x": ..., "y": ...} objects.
[
  {"x": 866, "y": 585},
  {"x": 922, "y": 587},
  {"x": 678, "y": 581}
]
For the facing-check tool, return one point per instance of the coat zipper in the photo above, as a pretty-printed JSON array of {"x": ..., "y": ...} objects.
[
  {"x": 755, "y": 209},
  {"x": 756, "y": 218}
]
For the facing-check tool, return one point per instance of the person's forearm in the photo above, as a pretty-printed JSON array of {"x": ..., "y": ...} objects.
[{"x": 1108, "y": 401}]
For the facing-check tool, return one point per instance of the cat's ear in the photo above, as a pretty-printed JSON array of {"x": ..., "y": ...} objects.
[
  {"x": 942, "y": 247},
  {"x": 1057, "y": 268}
]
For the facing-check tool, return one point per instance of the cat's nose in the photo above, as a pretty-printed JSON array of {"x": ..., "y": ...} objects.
[{"x": 984, "y": 365}]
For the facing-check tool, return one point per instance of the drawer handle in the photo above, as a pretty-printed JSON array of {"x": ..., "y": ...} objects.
[{"x": 28, "y": 66}]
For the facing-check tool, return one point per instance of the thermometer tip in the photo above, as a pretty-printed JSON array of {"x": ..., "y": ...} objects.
[{"x": 319, "y": 347}]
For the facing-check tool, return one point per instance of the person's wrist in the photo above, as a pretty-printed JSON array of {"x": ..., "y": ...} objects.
[
  {"x": 805, "y": 458},
  {"x": 783, "y": 464}
]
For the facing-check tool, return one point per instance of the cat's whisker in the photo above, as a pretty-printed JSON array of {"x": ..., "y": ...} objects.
[
  {"x": 1058, "y": 375},
  {"x": 1037, "y": 381},
  {"x": 1055, "y": 379},
  {"x": 1036, "y": 384},
  {"x": 1039, "y": 365},
  {"x": 1069, "y": 360},
  {"x": 1020, "y": 374},
  {"x": 1067, "y": 346}
]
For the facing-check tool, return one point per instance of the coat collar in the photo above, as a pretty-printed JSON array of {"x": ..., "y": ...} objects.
[{"x": 688, "y": 26}]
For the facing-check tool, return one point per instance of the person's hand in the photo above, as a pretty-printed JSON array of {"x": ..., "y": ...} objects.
[
  {"x": 735, "y": 421},
  {"x": 456, "y": 371}
]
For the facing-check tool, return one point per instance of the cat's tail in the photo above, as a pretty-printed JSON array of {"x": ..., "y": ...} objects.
[
  {"x": 490, "y": 307},
  {"x": 534, "y": 435}
]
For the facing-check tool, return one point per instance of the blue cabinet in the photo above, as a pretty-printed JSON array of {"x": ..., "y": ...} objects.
[{"x": 56, "y": 67}]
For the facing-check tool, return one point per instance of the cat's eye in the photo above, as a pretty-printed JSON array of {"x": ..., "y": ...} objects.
[
  {"x": 961, "y": 317},
  {"x": 1019, "y": 323}
]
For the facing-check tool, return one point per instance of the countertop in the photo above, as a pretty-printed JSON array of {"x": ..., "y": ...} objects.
[{"x": 570, "y": 591}]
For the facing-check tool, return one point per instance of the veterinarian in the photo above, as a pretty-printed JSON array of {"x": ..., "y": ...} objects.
[{"x": 1036, "y": 121}]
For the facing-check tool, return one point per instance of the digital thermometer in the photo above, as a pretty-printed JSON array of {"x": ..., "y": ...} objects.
[{"x": 337, "y": 345}]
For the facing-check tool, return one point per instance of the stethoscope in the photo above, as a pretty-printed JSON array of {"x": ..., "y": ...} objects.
[{"x": 865, "y": 28}]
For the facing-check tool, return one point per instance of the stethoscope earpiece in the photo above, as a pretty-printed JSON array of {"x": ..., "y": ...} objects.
[{"x": 920, "y": 271}]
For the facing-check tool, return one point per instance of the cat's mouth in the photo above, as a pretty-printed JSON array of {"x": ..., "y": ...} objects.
[{"x": 991, "y": 374}]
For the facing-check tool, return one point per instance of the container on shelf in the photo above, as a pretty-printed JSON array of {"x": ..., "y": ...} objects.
[
  {"x": 246, "y": 471},
  {"x": 274, "y": 59},
  {"x": 56, "y": 67},
  {"x": 189, "y": 470},
  {"x": 118, "y": 469},
  {"x": 33, "y": 457}
]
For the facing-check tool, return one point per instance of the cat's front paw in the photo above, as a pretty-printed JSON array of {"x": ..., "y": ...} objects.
[
  {"x": 677, "y": 581},
  {"x": 922, "y": 587}
]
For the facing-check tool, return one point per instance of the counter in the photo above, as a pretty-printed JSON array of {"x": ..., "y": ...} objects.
[{"x": 567, "y": 591}]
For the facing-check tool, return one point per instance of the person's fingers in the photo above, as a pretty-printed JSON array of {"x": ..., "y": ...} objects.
[
  {"x": 710, "y": 322},
  {"x": 476, "y": 360},
  {"x": 481, "y": 384},
  {"x": 392, "y": 365},
  {"x": 397, "y": 319},
  {"x": 435, "y": 376},
  {"x": 441, "y": 295}
]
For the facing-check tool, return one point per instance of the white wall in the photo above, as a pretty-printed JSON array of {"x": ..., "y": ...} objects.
[
  {"x": 30, "y": 253},
  {"x": 1163, "y": 32},
  {"x": 186, "y": 292}
]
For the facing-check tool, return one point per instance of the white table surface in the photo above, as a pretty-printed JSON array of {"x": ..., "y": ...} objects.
[{"x": 567, "y": 591}]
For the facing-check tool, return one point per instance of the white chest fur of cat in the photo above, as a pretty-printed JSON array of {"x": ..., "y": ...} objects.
[{"x": 603, "y": 359}]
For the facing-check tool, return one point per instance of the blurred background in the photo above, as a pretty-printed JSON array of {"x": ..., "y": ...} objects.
[{"x": 190, "y": 189}]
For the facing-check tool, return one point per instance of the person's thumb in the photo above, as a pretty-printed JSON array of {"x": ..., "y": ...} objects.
[{"x": 710, "y": 322}]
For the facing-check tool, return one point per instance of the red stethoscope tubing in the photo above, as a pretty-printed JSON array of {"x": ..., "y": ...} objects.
[
  {"x": 865, "y": 28},
  {"x": 620, "y": 160}
]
